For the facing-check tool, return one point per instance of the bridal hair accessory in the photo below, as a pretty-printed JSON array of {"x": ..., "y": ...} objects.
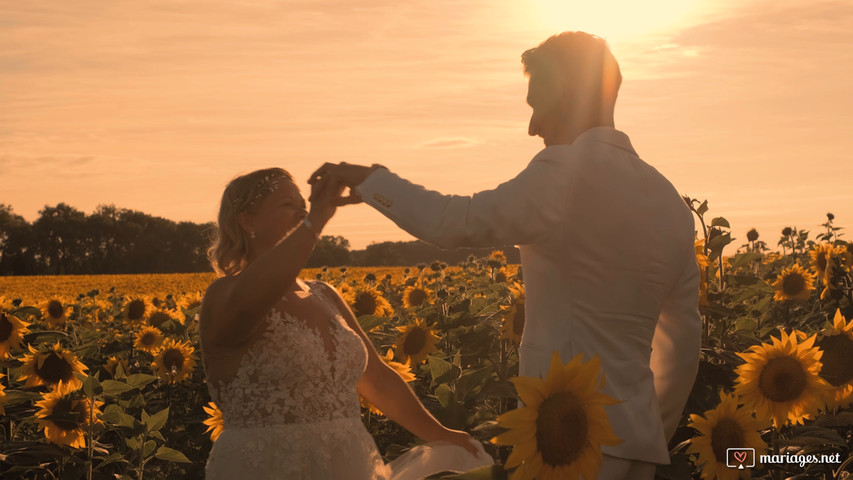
[{"x": 262, "y": 188}]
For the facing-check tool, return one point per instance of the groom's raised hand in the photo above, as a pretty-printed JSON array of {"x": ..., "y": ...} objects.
[{"x": 346, "y": 174}]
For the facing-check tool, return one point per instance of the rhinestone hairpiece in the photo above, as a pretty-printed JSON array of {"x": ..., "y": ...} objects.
[{"x": 265, "y": 186}]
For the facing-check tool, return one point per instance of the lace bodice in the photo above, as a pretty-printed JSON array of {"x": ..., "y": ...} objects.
[{"x": 287, "y": 376}]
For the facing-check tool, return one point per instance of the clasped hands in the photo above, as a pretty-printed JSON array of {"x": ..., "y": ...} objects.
[{"x": 344, "y": 174}]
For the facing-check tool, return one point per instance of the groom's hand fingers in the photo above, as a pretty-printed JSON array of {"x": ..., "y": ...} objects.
[
  {"x": 350, "y": 199},
  {"x": 320, "y": 172}
]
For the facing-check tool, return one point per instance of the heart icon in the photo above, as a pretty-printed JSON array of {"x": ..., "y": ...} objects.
[{"x": 740, "y": 456}]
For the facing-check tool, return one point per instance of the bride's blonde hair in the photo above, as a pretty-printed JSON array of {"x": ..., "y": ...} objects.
[{"x": 230, "y": 246}]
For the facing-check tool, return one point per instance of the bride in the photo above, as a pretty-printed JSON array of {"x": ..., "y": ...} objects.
[{"x": 284, "y": 357}]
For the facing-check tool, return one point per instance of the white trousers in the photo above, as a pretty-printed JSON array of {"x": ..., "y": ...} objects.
[{"x": 615, "y": 468}]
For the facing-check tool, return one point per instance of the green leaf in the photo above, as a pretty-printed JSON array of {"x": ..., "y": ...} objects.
[
  {"x": 744, "y": 259},
  {"x": 472, "y": 381},
  {"x": 115, "y": 388},
  {"x": 133, "y": 442},
  {"x": 157, "y": 420},
  {"x": 444, "y": 395},
  {"x": 157, "y": 435},
  {"x": 702, "y": 208},
  {"x": 720, "y": 222},
  {"x": 443, "y": 371},
  {"x": 92, "y": 387},
  {"x": 139, "y": 380},
  {"x": 115, "y": 457},
  {"x": 114, "y": 414},
  {"x": 166, "y": 453},
  {"x": 149, "y": 447},
  {"x": 14, "y": 397},
  {"x": 369, "y": 322}
]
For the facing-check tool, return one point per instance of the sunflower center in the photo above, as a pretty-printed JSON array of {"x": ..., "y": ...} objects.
[
  {"x": 561, "y": 428},
  {"x": 417, "y": 297},
  {"x": 726, "y": 434},
  {"x": 518, "y": 320},
  {"x": 136, "y": 310},
  {"x": 54, "y": 309},
  {"x": 837, "y": 359},
  {"x": 5, "y": 328},
  {"x": 783, "y": 379},
  {"x": 793, "y": 284},
  {"x": 64, "y": 408},
  {"x": 415, "y": 341},
  {"x": 173, "y": 359},
  {"x": 148, "y": 339},
  {"x": 54, "y": 369},
  {"x": 365, "y": 304},
  {"x": 158, "y": 319}
]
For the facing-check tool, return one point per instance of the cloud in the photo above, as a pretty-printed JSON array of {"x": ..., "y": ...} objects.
[{"x": 449, "y": 142}]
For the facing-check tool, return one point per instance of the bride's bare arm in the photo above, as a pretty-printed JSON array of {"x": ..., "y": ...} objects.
[
  {"x": 243, "y": 300},
  {"x": 384, "y": 387}
]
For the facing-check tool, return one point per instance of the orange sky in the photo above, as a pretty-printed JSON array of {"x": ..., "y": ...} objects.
[{"x": 155, "y": 105}]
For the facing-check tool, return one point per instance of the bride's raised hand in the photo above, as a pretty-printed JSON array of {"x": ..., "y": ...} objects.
[
  {"x": 463, "y": 439},
  {"x": 325, "y": 197}
]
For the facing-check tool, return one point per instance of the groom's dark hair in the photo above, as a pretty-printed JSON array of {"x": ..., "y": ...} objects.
[{"x": 577, "y": 60}]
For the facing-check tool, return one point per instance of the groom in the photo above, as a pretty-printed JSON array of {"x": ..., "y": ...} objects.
[{"x": 606, "y": 246}]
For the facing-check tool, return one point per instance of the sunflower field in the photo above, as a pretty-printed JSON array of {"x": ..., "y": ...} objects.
[{"x": 101, "y": 378}]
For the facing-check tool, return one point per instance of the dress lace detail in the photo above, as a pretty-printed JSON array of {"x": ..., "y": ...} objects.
[{"x": 292, "y": 405}]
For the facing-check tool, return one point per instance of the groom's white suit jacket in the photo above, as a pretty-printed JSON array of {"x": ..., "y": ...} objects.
[{"x": 609, "y": 269}]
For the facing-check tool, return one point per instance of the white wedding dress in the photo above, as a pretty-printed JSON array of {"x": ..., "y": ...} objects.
[{"x": 292, "y": 412}]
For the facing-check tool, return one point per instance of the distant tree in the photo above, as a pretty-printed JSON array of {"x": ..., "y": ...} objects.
[
  {"x": 59, "y": 239},
  {"x": 17, "y": 257},
  {"x": 330, "y": 251}
]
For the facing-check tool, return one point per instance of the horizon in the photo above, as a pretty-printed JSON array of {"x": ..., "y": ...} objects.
[{"x": 154, "y": 106}]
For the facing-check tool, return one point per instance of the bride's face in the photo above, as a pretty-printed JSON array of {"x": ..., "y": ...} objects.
[{"x": 278, "y": 214}]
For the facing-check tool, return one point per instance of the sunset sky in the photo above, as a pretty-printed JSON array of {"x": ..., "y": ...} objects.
[{"x": 156, "y": 105}]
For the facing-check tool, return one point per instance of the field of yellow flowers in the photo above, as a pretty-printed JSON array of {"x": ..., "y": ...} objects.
[{"x": 100, "y": 376}]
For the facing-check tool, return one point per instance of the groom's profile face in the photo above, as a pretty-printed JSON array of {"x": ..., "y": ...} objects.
[{"x": 544, "y": 97}]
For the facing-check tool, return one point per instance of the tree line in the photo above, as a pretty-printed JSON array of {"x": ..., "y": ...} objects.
[{"x": 112, "y": 240}]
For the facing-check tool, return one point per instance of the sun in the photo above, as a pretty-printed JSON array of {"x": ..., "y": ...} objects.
[{"x": 615, "y": 20}]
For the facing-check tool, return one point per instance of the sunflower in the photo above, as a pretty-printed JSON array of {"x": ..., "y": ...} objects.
[
  {"x": 794, "y": 283},
  {"x": 163, "y": 318},
  {"x": 416, "y": 342},
  {"x": 189, "y": 304},
  {"x": 559, "y": 432},
  {"x": 836, "y": 344},
  {"x": 415, "y": 296},
  {"x": 780, "y": 380},
  {"x": 55, "y": 311},
  {"x": 834, "y": 278},
  {"x": 513, "y": 319},
  {"x": 54, "y": 368},
  {"x": 501, "y": 276},
  {"x": 405, "y": 372},
  {"x": 214, "y": 423},
  {"x": 368, "y": 301},
  {"x": 496, "y": 259},
  {"x": 137, "y": 309},
  {"x": 174, "y": 361},
  {"x": 820, "y": 255},
  {"x": 724, "y": 427},
  {"x": 12, "y": 331},
  {"x": 112, "y": 365},
  {"x": 190, "y": 301},
  {"x": 63, "y": 418},
  {"x": 148, "y": 339},
  {"x": 704, "y": 262}
]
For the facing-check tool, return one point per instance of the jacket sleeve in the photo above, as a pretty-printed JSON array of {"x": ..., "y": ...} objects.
[
  {"x": 676, "y": 345},
  {"x": 519, "y": 211}
]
